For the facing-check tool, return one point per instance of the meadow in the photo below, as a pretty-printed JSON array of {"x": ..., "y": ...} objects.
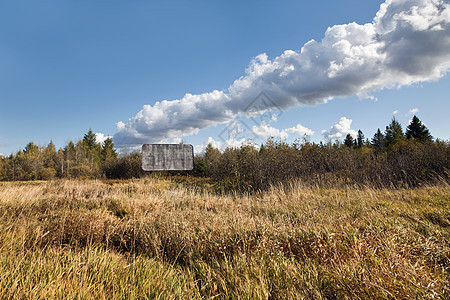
[{"x": 156, "y": 238}]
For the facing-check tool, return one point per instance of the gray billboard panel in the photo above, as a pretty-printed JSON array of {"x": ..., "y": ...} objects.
[{"x": 167, "y": 157}]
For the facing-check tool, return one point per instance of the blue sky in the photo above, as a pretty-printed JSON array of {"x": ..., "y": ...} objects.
[{"x": 67, "y": 66}]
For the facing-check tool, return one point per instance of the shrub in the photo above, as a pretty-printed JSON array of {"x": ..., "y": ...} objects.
[{"x": 47, "y": 173}]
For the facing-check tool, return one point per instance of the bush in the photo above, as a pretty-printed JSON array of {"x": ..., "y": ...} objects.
[
  {"x": 128, "y": 166},
  {"x": 47, "y": 173},
  {"x": 81, "y": 171}
]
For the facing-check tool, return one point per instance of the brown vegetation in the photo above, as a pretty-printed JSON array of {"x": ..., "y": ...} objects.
[
  {"x": 154, "y": 238},
  {"x": 392, "y": 159}
]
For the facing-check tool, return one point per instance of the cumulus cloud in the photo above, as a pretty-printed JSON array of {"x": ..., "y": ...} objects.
[
  {"x": 413, "y": 111},
  {"x": 407, "y": 42},
  {"x": 300, "y": 130},
  {"x": 229, "y": 143},
  {"x": 340, "y": 129},
  {"x": 265, "y": 131},
  {"x": 100, "y": 137},
  {"x": 200, "y": 149},
  {"x": 395, "y": 112}
]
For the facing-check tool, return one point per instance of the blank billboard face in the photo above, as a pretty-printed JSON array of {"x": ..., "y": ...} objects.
[{"x": 167, "y": 157}]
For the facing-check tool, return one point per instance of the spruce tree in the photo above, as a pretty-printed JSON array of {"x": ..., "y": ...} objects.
[
  {"x": 50, "y": 156},
  {"x": 416, "y": 130},
  {"x": 360, "y": 139},
  {"x": 349, "y": 140},
  {"x": 393, "y": 133},
  {"x": 108, "y": 151},
  {"x": 378, "y": 140},
  {"x": 92, "y": 155},
  {"x": 89, "y": 140}
]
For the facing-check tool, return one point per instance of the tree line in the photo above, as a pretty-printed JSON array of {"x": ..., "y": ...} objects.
[
  {"x": 85, "y": 158},
  {"x": 390, "y": 157}
]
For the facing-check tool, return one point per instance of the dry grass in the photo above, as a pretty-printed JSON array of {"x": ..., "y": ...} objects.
[{"x": 150, "y": 238}]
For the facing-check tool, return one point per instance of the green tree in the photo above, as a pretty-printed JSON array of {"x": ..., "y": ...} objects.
[
  {"x": 212, "y": 157},
  {"x": 69, "y": 151},
  {"x": 360, "y": 139},
  {"x": 89, "y": 140},
  {"x": 349, "y": 142},
  {"x": 200, "y": 169},
  {"x": 31, "y": 149},
  {"x": 31, "y": 161},
  {"x": 50, "y": 156},
  {"x": 90, "y": 151},
  {"x": 108, "y": 151},
  {"x": 416, "y": 130},
  {"x": 393, "y": 133},
  {"x": 378, "y": 140}
]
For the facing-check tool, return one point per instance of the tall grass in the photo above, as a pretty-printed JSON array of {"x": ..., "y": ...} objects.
[{"x": 152, "y": 238}]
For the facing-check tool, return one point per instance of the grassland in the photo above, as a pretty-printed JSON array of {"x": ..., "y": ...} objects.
[{"x": 153, "y": 238}]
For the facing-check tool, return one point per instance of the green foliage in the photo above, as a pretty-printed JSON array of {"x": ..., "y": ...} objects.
[
  {"x": 47, "y": 173},
  {"x": 360, "y": 139},
  {"x": 200, "y": 168},
  {"x": 378, "y": 140},
  {"x": 393, "y": 133},
  {"x": 80, "y": 171},
  {"x": 349, "y": 142},
  {"x": 418, "y": 131},
  {"x": 108, "y": 152},
  {"x": 212, "y": 156},
  {"x": 90, "y": 140},
  {"x": 127, "y": 166},
  {"x": 405, "y": 163},
  {"x": 391, "y": 160}
]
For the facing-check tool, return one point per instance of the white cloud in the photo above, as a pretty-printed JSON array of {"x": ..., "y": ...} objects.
[
  {"x": 265, "y": 131},
  {"x": 339, "y": 129},
  {"x": 300, "y": 130},
  {"x": 200, "y": 149},
  {"x": 406, "y": 43},
  {"x": 100, "y": 137},
  {"x": 413, "y": 111},
  {"x": 395, "y": 112},
  {"x": 229, "y": 143},
  {"x": 235, "y": 143}
]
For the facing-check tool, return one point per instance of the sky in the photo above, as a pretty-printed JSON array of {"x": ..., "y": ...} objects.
[{"x": 220, "y": 72}]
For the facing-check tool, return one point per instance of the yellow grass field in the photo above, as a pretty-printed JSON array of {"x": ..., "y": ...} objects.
[{"x": 153, "y": 238}]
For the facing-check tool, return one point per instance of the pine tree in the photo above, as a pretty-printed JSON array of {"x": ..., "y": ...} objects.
[
  {"x": 378, "y": 140},
  {"x": 89, "y": 140},
  {"x": 393, "y": 133},
  {"x": 360, "y": 139},
  {"x": 50, "y": 156},
  {"x": 418, "y": 131},
  {"x": 212, "y": 157},
  {"x": 92, "y": 155},
  {"x": 108, "y": 151},
  {"x": 349, "y": 142},
  {"x": 31, "y": 149}
]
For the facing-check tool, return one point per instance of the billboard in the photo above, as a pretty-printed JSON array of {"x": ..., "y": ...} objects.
[{"x": 167, "y": 157}]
